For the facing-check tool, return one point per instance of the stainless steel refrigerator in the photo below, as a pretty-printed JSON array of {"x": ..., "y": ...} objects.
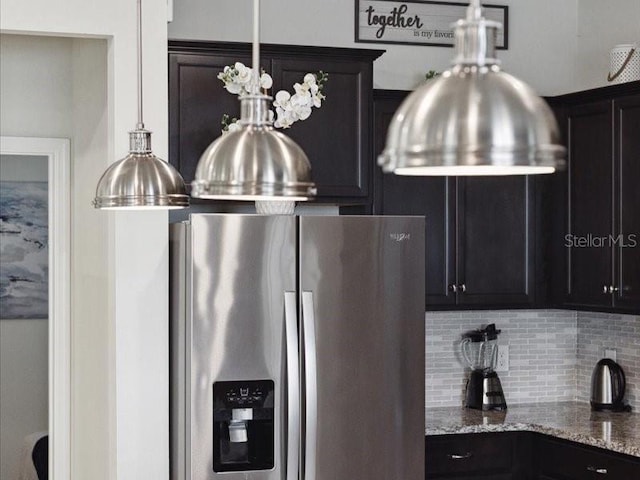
[{"x": 297, "y": 348}]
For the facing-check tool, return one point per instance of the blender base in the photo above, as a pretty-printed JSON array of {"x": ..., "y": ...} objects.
[{"x": 484, "y": 391}]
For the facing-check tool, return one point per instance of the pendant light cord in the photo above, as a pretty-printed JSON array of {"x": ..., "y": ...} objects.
[
  {"x": 474, "y": 11},
  {"x": 255, "y": 87},
  {"x": 140, "y": 125}
]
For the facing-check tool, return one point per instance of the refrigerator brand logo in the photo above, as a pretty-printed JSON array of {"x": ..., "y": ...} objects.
[{"x": 400, "y": 237}]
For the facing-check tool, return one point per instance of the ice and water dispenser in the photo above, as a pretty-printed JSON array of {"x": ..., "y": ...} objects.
[{"x": 243, "y": 426}]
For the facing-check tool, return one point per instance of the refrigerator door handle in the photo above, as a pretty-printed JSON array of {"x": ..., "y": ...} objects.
[
  {"x": 293, "y": 384},
  {"x": 311, "y": 382}
]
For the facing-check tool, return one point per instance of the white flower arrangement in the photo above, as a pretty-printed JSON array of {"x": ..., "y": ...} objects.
[{"x": 289, "y": 108}]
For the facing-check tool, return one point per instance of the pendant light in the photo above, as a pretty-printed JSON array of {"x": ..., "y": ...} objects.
[
  {"x": 474, "y": 119},
  {"x": 140, "y": 181},
  {"x": 255, "y": 162}
]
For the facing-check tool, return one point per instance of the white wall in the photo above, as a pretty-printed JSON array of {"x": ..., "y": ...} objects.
[
  {"x": 35, "y": 86},
  {"x": 57, "y": 87},
  {"x": 35, "y": 94},
  {"x": 601, "y": 26},
  {"x": 91, "y": 330},
  {"x": 120, "y": 262},
  {"x": 23, "y": 388},
  {"x": 542, "y": 37}
]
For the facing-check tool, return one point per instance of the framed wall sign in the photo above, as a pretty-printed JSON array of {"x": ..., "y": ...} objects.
[{"x": 416, "y": 22}]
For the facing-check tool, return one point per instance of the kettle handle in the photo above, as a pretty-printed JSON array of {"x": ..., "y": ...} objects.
[{"x": 621, "y": 381}]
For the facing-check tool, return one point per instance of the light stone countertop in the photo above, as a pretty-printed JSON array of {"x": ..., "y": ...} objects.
[{"x": 618, "y": 432}]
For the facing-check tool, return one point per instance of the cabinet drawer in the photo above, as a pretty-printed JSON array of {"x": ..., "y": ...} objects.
[
  {"x": 469, "y": 454},
  {"x": 569, "y": 461}
]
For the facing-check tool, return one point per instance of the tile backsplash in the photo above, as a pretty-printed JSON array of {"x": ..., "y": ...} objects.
[
  {"x": 600, "y": 331},
  {"x": 542, "y": 354},
  {"x": 551, "y": 353}
]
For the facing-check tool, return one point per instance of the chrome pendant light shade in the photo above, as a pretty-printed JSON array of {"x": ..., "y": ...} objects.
[
  {"x": 140, "y": 181},
  {"x": 255, "y": 162},
  {"x": 474, "y": 119}
]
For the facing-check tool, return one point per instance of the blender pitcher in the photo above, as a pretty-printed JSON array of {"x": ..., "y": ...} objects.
[{"x": 480, "y": 353}]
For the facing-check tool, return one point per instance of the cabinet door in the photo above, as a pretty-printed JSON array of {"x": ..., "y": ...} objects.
[
  {"x": 495, "y": 240},
  {"x": 627, "y": 144},
  {"x": 476, "y": 455},
  {"x": 566, "y": 460},
  {"x": 335, "y": 137},
  {"x": 197, "y": 102},
  {"x": 433, "y": 198},
  {"x": 590, "y": 221}
]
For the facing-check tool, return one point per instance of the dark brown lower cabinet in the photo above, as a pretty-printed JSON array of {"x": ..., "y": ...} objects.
[
  {"x": 478, "y": 456},
  {"x": 563, "y": 460},
  {"x": 522, "y": 456}
]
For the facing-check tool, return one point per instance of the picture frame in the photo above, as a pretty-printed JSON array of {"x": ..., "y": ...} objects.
[
  {"x": 417, "y": 22},
  {"x": 24, "y": 232}
]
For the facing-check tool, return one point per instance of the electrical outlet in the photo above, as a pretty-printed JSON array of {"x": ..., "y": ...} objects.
[
  {"x": 502, "y": 364},
  {"x": 610, "y": 353}
]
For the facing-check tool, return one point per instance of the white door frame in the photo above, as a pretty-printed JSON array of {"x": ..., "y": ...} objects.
[{"x": 59, "y": 189}]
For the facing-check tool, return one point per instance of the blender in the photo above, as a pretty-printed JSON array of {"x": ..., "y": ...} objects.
[{"x": 480, "y": 352}]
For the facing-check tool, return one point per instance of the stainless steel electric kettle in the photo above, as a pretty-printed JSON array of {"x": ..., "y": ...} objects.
[{"x": 607, "y": 387}]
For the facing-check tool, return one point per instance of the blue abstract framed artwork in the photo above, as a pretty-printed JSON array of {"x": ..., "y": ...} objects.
[{"x": 24, "y": 259}]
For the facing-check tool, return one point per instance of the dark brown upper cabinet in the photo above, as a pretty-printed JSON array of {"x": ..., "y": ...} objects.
[
  {"x": 336, "y": 137},
  {"x": 479, "y": 231},
  {"x": 627, "y": 159},
  {"x": 590, "y": 204},
  {"x": 601, "y": 198}
]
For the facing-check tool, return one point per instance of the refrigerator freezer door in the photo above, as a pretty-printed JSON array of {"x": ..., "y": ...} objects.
[
  {"x": 362, "y": 284},
  {"x": 241, "y": 268}
]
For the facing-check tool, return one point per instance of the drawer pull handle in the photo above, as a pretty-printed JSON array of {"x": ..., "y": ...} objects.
[
  {"x": 600, "y": 471},
  {"x": 464, "y": 456}
]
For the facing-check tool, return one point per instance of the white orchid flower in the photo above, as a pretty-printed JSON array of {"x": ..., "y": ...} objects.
[
  {"x": 302, "y": 112},
  {"x": 301, "y": 89},
  {"x": 234, "y": 88},
  {"x": 234, "y": 127},
  {"x": 289, "y": 108},
  {"x": 266, "y": 81},
  {"x": 302, "y": 99},
  {"x": 244, "y": 75},
  {"x": 282, "y": 98},
  {"x": 284, "y": 120}
]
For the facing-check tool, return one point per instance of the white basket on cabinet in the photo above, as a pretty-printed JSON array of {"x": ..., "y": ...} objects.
[{"x": 624, "y": 64}]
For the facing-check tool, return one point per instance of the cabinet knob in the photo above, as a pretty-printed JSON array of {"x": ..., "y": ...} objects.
[
  {"x": 613, "y": 289},
  {"x": 457, "y": 456},
  {"x": 454, "y": 288},
  {"x": 463, "y": 288},
  {"x": 600, "y": 471}
]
